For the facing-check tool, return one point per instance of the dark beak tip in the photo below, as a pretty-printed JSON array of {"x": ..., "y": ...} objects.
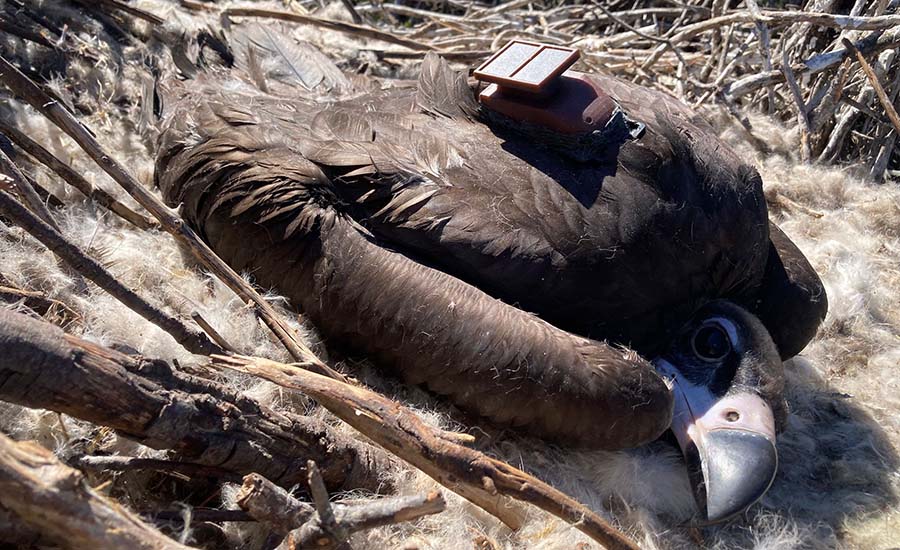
[{"x": 739, "y": 468}]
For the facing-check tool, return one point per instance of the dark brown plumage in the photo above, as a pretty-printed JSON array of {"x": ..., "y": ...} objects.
[{"x": 470, "y": 258}]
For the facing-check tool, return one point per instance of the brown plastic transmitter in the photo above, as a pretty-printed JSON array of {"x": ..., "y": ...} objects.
[{"x": 530, "y": 83}]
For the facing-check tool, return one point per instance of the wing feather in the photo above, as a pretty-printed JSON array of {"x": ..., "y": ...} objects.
[
  {"x": 444, "y": 92},
  {"x": 269, "y": 55}
]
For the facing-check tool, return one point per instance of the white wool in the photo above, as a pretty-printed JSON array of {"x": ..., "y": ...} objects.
[{"x": 838, "y": 481}]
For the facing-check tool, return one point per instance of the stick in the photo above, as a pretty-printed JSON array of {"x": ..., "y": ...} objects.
[
  {"x": 337, "y": 534},
  {"x": 38, "y": 212},
  {"x": 876, "y": 85},
  {"x": 339, "y": 26},
  {"x": 881, "y": 22},
  {"x": 485, "y": 481},
  {"x": 282, "y": 513},
  {"x": 415, "y": 12},
  {"x": 169, "y": 221},
  {"x": 198, "y": 6},
  {"x": 200, "y": 514},
  {"x": 270, "y": 504},
  {"x": 137, "y": 12},
  {"x": 26, "y": 34},
  {"x": 881, "y": 119},
  {"x": 776, "y": 17},
  {"x": 212, "y": 332},
  {"x": 848, "y": 116},
  {"x": 796, "y": 35},
  {"x": 46, "y": 196},
  {"x": 13, "y": 531},
  {"x": 39, "y": 303},
  {"x": 802, "y": 115},
  {"x": 148, "y": 401},
  {"x": 777, "y": 198},
  {"x": 351, "y": 519},
  {"x": 56, "y": 501},
  {"x": 462, "y": 56},
  {"x": 192, "y": 340},
  {"x": 131, "y": 463},
  {"x": 875, "y": 42},
  {"x": 348, "y": 4},
  {"x": 26, "y": 191},
  {"x": 765, "y": 47},
  {"x": 885, "y": 151},
  {"x": 73, "y": 178},
  {"x": 387, "y": 511}
]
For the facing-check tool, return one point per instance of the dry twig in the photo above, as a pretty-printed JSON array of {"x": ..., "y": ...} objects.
[
  {"x": 802, "y": 115},
  {"x": 876, "y": 85},
  {"x": 330, "y": 24},
  {"x": 39, "y": 211},
  {"x": 26, "y": 190},
  {"x": 303, "y": 524},
  {"x": 132, "y": 463},
  {"x": 192, "y": 340},
  {"x": 73, "y": 178},
  {"x": 212, "y": 332},
  {"x": 54, "y": 310}
]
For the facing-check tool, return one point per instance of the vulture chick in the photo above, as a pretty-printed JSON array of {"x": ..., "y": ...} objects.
[{"x": 592, "y": 296}]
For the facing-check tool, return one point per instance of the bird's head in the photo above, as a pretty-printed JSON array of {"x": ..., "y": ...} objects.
[{"x": 728, "y": 386}]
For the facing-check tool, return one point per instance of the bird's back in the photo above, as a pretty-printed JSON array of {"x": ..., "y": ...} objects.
[{"x": 622, "y": 246}]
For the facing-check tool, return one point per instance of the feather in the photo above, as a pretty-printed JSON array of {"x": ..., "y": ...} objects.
[
  {"x": 255, "y": 70},
  {"x": 341, "y": 124},
  {"x": 349, "y": 181},
  {"x": 181, "y": 59},
  {"x": 336, "y": 153},
  {"x": 234, "y": 115},
  {"x": 442, "y": 91},
  {"x": 363, "y": 171},
  {"x": 279, "y": 58},
  {"x": 399, "y": 204},
  {"x": 150, "y": 109},
  {"x": 215, "y": 40}
]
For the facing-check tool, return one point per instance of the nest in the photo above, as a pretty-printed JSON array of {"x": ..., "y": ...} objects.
[{"x": 800, "y": 89}]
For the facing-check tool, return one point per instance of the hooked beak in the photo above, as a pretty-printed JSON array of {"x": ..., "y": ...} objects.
[{"x": 729, "y": 447}]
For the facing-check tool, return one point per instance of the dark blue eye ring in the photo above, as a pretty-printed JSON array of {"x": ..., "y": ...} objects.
[{"x": 711, "y": 343}]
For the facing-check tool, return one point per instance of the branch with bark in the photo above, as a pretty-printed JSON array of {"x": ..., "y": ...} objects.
[
  {"x": 39, "y": 210},
  {"x": 52, "y": 499},
  {"x": 14, "y": 531},
  {"x": 149, "y": 401},
  {"x": 132, "y": 463}
]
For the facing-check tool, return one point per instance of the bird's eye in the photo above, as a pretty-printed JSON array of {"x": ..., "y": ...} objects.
[{"x": 711, "y": 343}]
